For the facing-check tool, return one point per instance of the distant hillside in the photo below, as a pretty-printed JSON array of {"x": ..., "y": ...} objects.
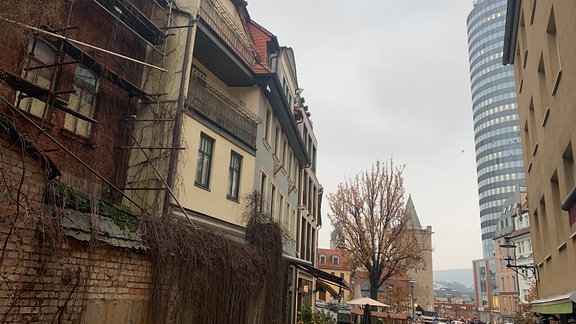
[{"x": 461, "y": 276}]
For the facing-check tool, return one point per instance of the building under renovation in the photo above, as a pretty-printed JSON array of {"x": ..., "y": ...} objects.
[{"x": 154, "y": 155}]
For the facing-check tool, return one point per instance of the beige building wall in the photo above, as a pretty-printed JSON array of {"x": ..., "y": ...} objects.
[
  {"x": 542, "y": 48},
  {"x": 337, "y": 263},
  {"x": 212, "y": 201},
  {"x": 205, "y": 204},
  {"x": 422, "y": 274}
]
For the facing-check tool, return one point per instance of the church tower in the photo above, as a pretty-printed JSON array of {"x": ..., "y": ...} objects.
[{"x": 422, "y": 273}]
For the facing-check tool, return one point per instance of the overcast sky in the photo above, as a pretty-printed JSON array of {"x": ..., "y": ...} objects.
[{"x": 390, "y": 79}]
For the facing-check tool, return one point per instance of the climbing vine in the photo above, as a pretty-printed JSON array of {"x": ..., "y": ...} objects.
[
  {"x": 202, "y": 277},
  {"x": 197, "y": 275}
]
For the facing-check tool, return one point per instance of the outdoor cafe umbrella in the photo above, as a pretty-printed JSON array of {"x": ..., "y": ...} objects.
[{"x": 366, "y": 300}]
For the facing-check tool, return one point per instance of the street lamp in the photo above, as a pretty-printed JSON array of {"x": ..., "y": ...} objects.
[
  {"x": 508, "y": 252},
  {"x": 412, "y": 283},
  {"x": 389, "y": 288}
]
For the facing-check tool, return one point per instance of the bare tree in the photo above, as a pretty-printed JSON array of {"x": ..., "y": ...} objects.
[{"x": 367, "y": 211}]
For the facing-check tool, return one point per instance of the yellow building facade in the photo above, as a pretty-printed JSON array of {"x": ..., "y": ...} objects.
[{"x": 539, "y": 42}]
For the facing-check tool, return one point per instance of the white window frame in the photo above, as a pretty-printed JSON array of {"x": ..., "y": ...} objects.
[
  {"x": 82, "y": 101},
  {"x": 234, "y": 172},
  {"x": 205, "y": 158}
]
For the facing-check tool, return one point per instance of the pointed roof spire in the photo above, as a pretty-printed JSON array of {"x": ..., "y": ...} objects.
[{"x": 414, "y": 222}]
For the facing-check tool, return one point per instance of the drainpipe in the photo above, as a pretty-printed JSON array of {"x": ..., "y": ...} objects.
[{"x": 177, "y": 133}]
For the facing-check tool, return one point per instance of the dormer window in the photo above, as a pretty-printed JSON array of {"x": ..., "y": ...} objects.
[
  {"x": 322, "y": 258},
  {"x": 335, "y": 259}
]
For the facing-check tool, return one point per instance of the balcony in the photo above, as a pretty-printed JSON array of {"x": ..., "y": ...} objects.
[
  {"x": 222, "y": 46},
  {"x": 216, "y": 105},
  {"x": 216, "y": 17}
]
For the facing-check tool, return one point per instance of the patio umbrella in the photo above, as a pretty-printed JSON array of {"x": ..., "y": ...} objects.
[{"x": 366, "y": 300}]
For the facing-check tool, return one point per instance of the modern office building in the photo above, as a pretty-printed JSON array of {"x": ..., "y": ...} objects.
[{"x": 496, "y": 126}]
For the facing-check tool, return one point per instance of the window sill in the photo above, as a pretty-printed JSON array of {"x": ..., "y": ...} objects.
[
  {"x": 545, "y": 118},
  {"x": 275, "y": 158},
  {"x": 45, "y": 124},
  {"x": 535, "y": 149},
  {"x": 201, "y": 186},
  {"x": 556, "y": 81},
  {"x": 266, "y": 144},
  {"x": 234, "y": 199},
  {"x": 84, "y": 140}
]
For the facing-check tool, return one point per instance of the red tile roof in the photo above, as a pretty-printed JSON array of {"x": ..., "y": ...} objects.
[
  {"x": 261, "y": 68},
  {"x": 343, "y": 260},
  {"x": 260, "y": 38},
  {"x": 520, "y": 232}
]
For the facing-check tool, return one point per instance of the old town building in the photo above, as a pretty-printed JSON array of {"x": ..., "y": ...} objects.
[{"x": 115, "y": 112}]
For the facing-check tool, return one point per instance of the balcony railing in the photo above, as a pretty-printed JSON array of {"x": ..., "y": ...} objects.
[
  {"x": 216, "y": 105},
  {"x": 218, "y": 18}
]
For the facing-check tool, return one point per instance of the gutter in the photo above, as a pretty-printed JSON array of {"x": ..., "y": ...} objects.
[
  {"x": 177, "y": 134},
  {"x": 511, "y": 31}
]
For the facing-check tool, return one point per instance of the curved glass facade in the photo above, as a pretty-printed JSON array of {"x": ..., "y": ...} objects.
[{"x": 499, "y": 162}]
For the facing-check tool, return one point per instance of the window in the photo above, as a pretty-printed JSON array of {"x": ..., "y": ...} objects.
[
  {"x": 281, "y": 209},
  {"x": 263, "y": 185},
  {"x": 293, "y": 222},
  {"x": 277, "y": 137},
  {"x": 39, "y": 69},
  {"x": 284, "y": 153},
  {"x": 268, "y": 125},
  {"x": 204, "y": 161},
  {"x": 273, "y": 200},
  {"x": 82, "y": 101},
  {"x": 322, "y": 258},
  {"x": 290, "y": 161},
  {"x": 287, "y": 216},
  {"x": 554, "y": 57},
  {"x": 568, "y": 167},
  {"x": 234, "y": 175},
  {"x": 335, "y": 259}
]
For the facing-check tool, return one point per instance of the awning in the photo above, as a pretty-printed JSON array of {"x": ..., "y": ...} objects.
[
  {"x": 359, "y": 311},
  {"x": 327, "y": 287},
  {"x": 307, "y": 267},
  {"x": 553, "y": 305}
]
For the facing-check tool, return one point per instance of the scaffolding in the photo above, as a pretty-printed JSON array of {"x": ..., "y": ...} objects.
[
  {"x": 154, "y": 108},
  {"x": 148, "y": 146}
]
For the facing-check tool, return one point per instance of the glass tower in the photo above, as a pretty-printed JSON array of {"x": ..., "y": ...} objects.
[{"x": 499, "y": 164}]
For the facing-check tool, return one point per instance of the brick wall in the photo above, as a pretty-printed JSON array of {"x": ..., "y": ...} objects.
[
  {"x": 100, "y": 150},
  {"x": 48, "y": 277}
]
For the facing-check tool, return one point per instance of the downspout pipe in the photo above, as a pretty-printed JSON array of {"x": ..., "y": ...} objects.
[{"x": 178, "y": 118}]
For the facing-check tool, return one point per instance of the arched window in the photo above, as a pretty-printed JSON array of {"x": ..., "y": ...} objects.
[
  {"x": 322, "y": 258},
  {"x": 39, "y": 69},
  {"x": 82, "y": 101}
]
